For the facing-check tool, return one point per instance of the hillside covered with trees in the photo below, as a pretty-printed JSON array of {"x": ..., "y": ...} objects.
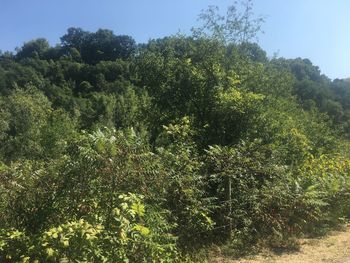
[{"x": 114, "y": 151}]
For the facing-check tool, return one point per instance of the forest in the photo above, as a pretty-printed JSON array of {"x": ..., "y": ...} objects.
[{"x": 117, "y": 151}]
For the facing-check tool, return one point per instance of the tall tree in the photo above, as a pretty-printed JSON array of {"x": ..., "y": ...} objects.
[{"x": 239, "y": 25}]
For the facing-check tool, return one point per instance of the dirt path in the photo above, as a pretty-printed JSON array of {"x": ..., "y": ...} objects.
[{"x": 334, "y": 248}]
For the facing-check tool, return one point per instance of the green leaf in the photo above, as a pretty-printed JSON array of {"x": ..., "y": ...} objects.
[
  {"x": 138, "y": 208},
  {"x": 142, "y": 229},
  {"x": 50, "y": 252}
]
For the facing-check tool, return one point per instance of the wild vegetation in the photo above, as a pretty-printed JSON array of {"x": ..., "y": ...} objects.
[{"x": 113, "y": 151}]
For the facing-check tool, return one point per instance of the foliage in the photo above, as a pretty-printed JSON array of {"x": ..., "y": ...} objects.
[
  {"x": 238, "y": 26},
  {"x": 117, "y": 152},
  {"x": 125, "y": 238}
]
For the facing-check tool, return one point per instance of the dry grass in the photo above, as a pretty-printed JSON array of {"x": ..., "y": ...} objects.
[{"x": 333, "y": 248}]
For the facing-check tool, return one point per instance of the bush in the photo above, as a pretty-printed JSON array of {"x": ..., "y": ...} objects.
[{"x": 120, "y": 237}]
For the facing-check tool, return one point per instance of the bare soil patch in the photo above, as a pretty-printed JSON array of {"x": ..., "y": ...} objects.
[{"x": 333, "y": 248}]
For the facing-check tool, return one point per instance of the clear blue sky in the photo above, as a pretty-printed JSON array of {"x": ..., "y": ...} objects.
[{"x": 314, "y": 29}]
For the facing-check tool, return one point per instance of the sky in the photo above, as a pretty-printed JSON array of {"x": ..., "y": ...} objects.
[{"x": 314, "y": 29}]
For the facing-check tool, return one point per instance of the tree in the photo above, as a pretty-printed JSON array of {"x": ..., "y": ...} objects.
[
  {"x": 24, "y": 112},
  {"x": 239, "y": 25},
  {"x": 99, "y": 46},
  {"x": 33, "y": 49},
  {"x": 75, "y": 38}
]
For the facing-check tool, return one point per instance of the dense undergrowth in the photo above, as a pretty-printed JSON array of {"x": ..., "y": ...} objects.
[{"x": 117, "y": 152}]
